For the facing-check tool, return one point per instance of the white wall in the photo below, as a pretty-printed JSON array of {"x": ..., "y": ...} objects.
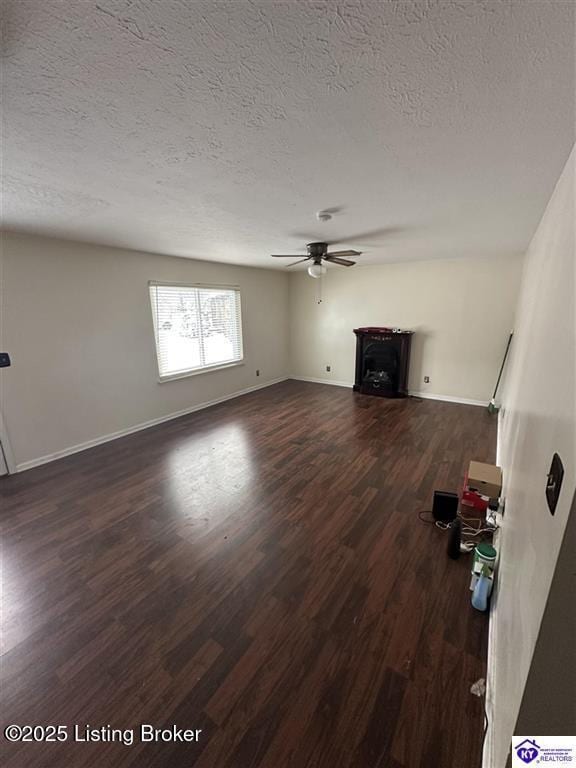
[
  {"x": 76, "y": 319},
  {"x": 538, "y": 418},
  {"x": 461, "y": 310}
]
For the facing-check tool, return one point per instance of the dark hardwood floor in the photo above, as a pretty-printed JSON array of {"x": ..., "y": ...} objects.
[{"x": 256, "y": 570}]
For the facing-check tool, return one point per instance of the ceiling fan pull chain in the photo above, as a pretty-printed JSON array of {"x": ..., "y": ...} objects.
[{"x": 319, "y": 290}]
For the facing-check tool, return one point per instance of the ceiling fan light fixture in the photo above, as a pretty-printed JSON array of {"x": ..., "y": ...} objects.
[{"x": 316, "y": 270}]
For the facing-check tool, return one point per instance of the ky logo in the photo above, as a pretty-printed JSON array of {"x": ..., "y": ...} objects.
[{"x": 527, "y": 751}]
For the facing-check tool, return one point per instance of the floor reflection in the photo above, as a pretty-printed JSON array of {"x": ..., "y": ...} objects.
[{"x": 203, "y": 474}]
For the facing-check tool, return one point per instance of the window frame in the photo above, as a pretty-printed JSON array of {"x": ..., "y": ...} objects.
[{"x": 205, "y": 368}]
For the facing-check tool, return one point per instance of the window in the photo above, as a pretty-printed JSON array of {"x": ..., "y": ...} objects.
[{"x": 195, "y": 328}]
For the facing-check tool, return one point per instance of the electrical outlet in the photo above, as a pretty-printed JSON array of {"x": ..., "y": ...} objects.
[
  {"x": 257, "y": 372},
  {"x": 328, "y": 368},
  {"x": 426, "y": 379}
]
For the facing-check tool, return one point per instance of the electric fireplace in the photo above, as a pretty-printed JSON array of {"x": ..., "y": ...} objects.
[{"x": 382, "y": 361}]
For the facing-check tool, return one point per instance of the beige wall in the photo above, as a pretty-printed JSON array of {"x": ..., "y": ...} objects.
[
  {"x": 461, "y": 310},
  {"x": 538, "y": 418},
  {"x": 76, "y": 319}
]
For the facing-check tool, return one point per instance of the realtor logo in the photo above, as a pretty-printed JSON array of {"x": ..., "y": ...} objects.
[
  {"x": 549, "y": 749},
  {"x": 527, "y": 750}
]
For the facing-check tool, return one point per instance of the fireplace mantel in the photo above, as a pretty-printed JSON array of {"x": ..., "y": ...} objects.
[
  {"x": 382, "y": 330},
  {"x": 382, "y": 361}
]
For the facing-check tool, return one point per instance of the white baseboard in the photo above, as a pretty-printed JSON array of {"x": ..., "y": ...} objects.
[
  {"x": 424, "y": 395},
  {"x": 139, "y": 427},
  {"x": 449, "y": 399},
  {"x": 323, "y": 381},
  {"x": 23, "y": 466}
]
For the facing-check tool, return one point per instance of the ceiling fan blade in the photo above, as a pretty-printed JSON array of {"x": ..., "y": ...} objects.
[
  {"x": 373, "y": 234},
  {"x": 344, "y": 254},
  {"x": 376, "y": 237},
  {"x": 285, "y": 255},
  {"x": 299, "y": 261},
  {"x": 336, "y": 260}
]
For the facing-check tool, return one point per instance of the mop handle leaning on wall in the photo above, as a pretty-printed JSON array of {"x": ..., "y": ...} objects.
[{"x": 492, "y": 404}]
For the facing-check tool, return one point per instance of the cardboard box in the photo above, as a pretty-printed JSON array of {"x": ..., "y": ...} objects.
[{"x": 485, "y": 479}]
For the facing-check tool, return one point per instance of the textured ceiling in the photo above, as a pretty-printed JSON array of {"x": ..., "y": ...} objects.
[{"x": 216, "y": 129}]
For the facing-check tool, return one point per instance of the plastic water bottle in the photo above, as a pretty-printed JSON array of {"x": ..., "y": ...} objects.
[{"x": 481, "y": 593}]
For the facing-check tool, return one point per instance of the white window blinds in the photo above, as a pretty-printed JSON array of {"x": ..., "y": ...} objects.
[{"x": 195, "y": 327}]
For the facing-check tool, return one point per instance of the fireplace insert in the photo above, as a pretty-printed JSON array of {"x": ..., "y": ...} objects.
[{"x": 382, "y": 360}]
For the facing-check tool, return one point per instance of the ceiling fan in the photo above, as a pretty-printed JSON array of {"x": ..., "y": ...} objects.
[{"x": 317, "y": 253}]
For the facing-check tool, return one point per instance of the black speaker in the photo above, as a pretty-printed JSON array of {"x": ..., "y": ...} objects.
[
  {"x": 445, "y": 506},
  {"x": 454, "y": 540}
]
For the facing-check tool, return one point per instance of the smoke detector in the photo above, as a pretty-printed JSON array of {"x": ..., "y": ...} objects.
[{"x": 323, "y": 216}]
